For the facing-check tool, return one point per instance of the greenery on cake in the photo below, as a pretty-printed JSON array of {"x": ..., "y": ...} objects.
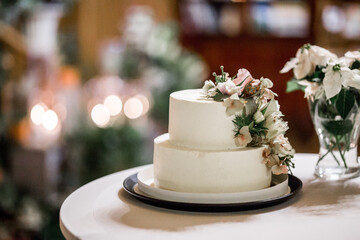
[{"x": 257, "y": 117}]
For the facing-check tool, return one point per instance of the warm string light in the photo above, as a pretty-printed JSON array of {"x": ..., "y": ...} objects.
[
  {"x": 114, "y": 104},
  {"x": 133, "y": 108},
  {"x": 40, "y": 115},
  {"x": 100, "y": 115}
]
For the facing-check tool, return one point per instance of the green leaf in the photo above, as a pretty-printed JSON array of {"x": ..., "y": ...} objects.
[
  {"x": 355, "y": 65},
  {"x": 338, "y": 127},
  {"x": 345, "y": 102},
  {"x": 293, "y": 85},
  {"x": 219, "y": 96}
]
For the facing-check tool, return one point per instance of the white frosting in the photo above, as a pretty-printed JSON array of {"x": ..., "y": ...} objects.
[
  {"x": 198, "y": 122},
  {"x": 190, "y": 170}
]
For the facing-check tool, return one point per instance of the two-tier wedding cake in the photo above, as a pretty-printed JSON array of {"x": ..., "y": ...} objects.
[{"x": 226, "y": 137}]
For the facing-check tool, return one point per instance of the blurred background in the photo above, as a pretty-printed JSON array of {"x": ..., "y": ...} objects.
[{"x": 84, "y": 84}]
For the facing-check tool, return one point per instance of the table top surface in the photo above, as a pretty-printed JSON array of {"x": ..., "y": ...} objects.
[{"x": 323, "y": 210}]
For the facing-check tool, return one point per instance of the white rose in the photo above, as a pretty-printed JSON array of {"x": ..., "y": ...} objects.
[
  {"x": 244, "y": 137},
  {"x": 227, "y": 88},
  {"x": 207, "y": 86},
  {"x": 282, "y": 146}
]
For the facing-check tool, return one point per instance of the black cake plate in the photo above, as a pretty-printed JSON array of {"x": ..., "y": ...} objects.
[{"x": 130, "y": 182}]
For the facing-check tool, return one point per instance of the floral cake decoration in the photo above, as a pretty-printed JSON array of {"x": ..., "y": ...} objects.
[{"x": 257, "y": 117}]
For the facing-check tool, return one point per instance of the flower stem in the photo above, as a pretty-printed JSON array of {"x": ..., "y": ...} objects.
[
  {"x": 341, "y": 153},
  {"x": 329, "y": 151}
]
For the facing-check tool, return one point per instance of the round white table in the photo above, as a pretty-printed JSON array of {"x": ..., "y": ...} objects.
[{"x": 322, "y": 210}]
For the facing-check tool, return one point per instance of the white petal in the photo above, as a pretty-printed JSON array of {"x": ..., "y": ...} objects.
[
  {"x": 289, "y": 65},
  {"x": 332, "y": 82},
  {"x": 352, "y": 79},
  {"x": 303, "y": 67}
]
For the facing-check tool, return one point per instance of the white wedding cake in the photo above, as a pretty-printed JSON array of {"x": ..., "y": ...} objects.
[{"x": 222, "y": 138}]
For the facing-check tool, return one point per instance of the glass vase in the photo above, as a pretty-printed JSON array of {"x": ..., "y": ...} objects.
[{"x": 338, "y": 138}]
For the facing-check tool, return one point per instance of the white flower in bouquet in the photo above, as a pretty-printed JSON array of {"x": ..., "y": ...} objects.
[
  {"x": 267, "y": 83},
  {"x": 234, "y": 104},
  {"x": 227, "y": 88},
  {"x": 272, "y": 161},
  {"x": 244, "y": 137},
  {"x": 311, "y": 88},
  {"x": 307, "y": 57},
  {"x": 337, "y": 73},
  {"x": 272, "y": 107},
  {"x": 275, "y": 125},
  {"x": 258, "y": 116},
  {"x": 207, "y": 86},
  {"x": 282, "y": 146},
  {"x": 354, "y": 80},
  {"x": 351, "y": 56}
]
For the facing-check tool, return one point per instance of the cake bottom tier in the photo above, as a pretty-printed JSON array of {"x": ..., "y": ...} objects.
[{"x": 188, "y": 170}]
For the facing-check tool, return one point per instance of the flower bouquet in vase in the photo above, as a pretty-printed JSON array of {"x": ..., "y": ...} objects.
[{"x": 332, "y": 88}]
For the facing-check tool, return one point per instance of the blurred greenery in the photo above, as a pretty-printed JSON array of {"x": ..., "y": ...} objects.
[{"x": 101, "y": 151}]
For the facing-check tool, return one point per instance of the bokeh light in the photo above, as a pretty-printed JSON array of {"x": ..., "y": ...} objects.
[
  {"x": 37, "y": 114},
  {"x": 100, "y": 115},
  {"x": 145, "y": 103},
  {"x": 133, "y": 108},
  {"x": 50, "y": 120},
  {"x": 114, "y": 104}
]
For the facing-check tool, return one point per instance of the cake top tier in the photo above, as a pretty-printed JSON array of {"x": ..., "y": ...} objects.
[
  {"x": 192, "y": 95},
  {"x": 198, "y": 122}
]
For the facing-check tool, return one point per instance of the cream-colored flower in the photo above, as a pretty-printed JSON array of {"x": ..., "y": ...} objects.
[
  {"x": 282, "y": 146},
  {"x": 335, "y": 74},
  {"x": 272, "y": 160},
  {"x": 273, "y": 106},
  {"x": 244, "y": 137},
  {"x": 289, "y": 65},
  {"x": 303, "y": 66},
  {"x": 311, "y": 88},
  {"x": 351, "y": 56},
  {"x": 207, "y": 86},
  {"x": 320, "y": 56},
  {"x": 227, "y": 88},
  {"x": 275, "y": 125},
  {"x": 354, "y": 80},
  {"x": 258, "y": 116},
  {"x": 267, "y": 83},
  {"x": 307, "y": 57},
  {"x": 233, "y": 104}
]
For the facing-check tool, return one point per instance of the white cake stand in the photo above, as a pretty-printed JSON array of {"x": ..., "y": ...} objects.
[{"x": 323, "y": 210}]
